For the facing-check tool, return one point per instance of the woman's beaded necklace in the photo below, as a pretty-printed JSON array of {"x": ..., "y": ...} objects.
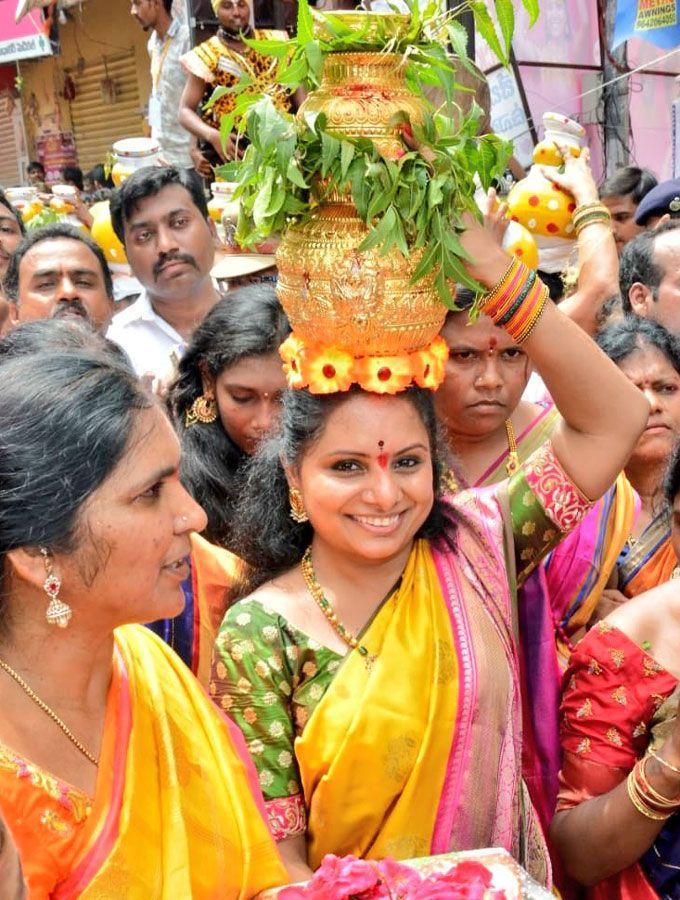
[
  {"x": 325, "y": 604},
  {"x": 48, "y": 711}
]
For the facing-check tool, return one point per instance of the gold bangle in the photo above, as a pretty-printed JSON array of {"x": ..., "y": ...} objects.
[
  {"x": 580, "y": 226},
  {"x": 664, "y": 762},
  {"x": 490, "y": 297},
  {"x": 639, "y": 803},
  {"x": 592, "y": 204},
  {"x": 536, "y": 316},
  {"x": 653, "y": 795}
]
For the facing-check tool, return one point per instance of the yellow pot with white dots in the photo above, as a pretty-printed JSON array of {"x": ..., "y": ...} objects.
[
  {"x": 102, "y": 232},
  {"x": 538, "y": 203}
]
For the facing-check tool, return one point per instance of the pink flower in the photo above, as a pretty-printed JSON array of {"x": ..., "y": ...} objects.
[
  {"x": 467, "y": 873},
  {"x": 399, "y": 879},
  {"x": 434, "y": 888},
  {"x": 339, "y": 878}
]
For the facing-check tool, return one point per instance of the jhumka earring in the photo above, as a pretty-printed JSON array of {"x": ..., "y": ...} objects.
[
  {"x": 203, "y": 410},
  {"x": 298, "y": 513},
  {"x": 57, "y": 612}
]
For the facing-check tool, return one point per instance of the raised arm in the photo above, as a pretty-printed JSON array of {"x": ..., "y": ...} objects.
[
  {"x": 598, "y": 261},
  {"x": 603, "y": 413}
]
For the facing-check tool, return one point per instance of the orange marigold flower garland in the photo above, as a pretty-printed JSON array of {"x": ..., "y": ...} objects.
[{"x": 327, "y": 370}]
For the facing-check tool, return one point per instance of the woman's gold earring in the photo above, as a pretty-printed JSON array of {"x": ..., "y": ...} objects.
[
  {"x": 203, "y": 410},
  {"x": 298, "y": 513},
  {"x": 57, "y": 612}
]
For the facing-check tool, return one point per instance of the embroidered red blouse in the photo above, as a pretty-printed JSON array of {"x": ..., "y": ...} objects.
[{"x": 612, "y": 691}]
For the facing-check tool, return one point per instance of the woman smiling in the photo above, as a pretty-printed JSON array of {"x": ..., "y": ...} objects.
[{"x": 374, "y": 666}]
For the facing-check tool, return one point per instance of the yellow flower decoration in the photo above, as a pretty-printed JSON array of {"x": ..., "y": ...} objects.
[
  {"x": 429, "y": 364},
  {"x": 291, "y": 352},
  {"x": 383, "y": 374},
  {"x": 328, "y": 370}
]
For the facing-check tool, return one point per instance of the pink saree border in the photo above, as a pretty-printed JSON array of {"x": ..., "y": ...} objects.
[
  {"x": 87, "y": 868},
  {"x": 467, "y": 698}
]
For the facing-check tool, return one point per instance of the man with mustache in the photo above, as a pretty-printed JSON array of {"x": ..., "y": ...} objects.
[
  {"x": 59, "y": 271},
  {"x": 161, "y": 216}
]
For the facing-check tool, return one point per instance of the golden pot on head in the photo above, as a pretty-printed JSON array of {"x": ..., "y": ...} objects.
[
  {"x": 359, "y": 301},
  {"x": 360, "y": 93}
]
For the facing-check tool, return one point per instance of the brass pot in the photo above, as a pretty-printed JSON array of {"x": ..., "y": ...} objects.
[
  {"x": 361, "y": 302},
  {"x": 360, "y": 93}
]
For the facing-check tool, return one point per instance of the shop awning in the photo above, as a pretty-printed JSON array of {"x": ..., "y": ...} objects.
[{"x": 25, "y": 39}]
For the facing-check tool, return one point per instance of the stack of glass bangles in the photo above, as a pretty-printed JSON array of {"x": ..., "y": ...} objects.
[
  {"x": 517, "y": 301},
  {"x": 590, "y": 213},
  {"x": 646, "y": 800}
]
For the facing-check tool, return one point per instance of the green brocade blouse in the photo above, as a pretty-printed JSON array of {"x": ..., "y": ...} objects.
[{"x": 269, "y": 676}]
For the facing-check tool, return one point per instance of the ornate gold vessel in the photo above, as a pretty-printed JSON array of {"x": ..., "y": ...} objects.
[
  {"x": 335, "y": 295},
  {"x": 359, "y": 95},
  {"x": 358, "y": 301}
]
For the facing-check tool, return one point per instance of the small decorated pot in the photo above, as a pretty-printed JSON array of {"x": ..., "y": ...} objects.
[
  {"x": 132, "y": 154},
  {"x": 103, "y": 234},
  {"x": 538, "y": 204}
]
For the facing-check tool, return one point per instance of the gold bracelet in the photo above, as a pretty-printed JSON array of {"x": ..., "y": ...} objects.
[
  {"x": 639, "y": 803},
  {"x": 592, "y": 204},
  {"x": 664, "y": 762},
  {"x": 599, "y": 220},
  {"x": 654, "y": 796},
  {"x": 490, "y": 297}
]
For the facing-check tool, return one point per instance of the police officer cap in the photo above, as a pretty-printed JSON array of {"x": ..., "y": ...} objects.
[{"x": 664, "y": 198}]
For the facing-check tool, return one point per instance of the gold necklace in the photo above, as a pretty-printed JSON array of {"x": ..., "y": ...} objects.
[
  {"x": 50, "y": 712},
  {"x": 325, "y": 605},
  {"x": 449, "y": 481}
]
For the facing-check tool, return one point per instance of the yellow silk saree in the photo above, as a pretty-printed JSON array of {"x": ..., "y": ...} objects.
[{"x": 181, "y": 818}]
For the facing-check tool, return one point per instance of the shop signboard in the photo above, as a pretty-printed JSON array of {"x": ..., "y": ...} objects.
[
  {"x": 22, "y": 40},
  {"x": 656, "y": 21}
]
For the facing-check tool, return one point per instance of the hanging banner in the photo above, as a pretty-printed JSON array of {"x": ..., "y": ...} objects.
[
  {"x": 23, "y": 40},
  {"x": 656, "y": 21}
]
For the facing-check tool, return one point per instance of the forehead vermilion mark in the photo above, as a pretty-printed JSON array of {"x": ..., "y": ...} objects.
[
  {"x": 382, "y": 456},
  {"x": 493, "y": 343}
]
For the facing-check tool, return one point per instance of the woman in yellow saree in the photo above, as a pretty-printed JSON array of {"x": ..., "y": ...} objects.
[
  {"x": 375, "y": 669},
  {"x": 118, "y": 777}
]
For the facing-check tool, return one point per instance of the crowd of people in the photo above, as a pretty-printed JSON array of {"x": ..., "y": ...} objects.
[{"x": 244, "y": 626}]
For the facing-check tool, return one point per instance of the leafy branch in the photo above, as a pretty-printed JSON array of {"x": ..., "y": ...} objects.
[
  {"x": 421, "y": 41},
  {"x": 410, "y": 204}
]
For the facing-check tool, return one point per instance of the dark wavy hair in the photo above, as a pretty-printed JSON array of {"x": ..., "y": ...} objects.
[
  {"x": 67, "y": 410},
  {"x": 249, "y": 322},
  {"x": 267, "y": 538}
]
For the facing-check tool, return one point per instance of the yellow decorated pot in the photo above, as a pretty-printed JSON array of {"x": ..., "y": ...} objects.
[
  {"x": 541, "y": 206},
  {"x": 132, "y": 154},
  {"x": 103, "y": 234},
  {"x": 362, "y": 302},
  {"x": 547, "y": 153},
  {"x": 359, "y": 95},
  {"x": 538, "y": 203},
  {"x": 519, "y": 242}
]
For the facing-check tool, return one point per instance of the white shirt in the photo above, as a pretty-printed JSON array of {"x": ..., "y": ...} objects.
[
  {"x": 169, "y": 78},
  {"x": 152, "y": 344}
]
